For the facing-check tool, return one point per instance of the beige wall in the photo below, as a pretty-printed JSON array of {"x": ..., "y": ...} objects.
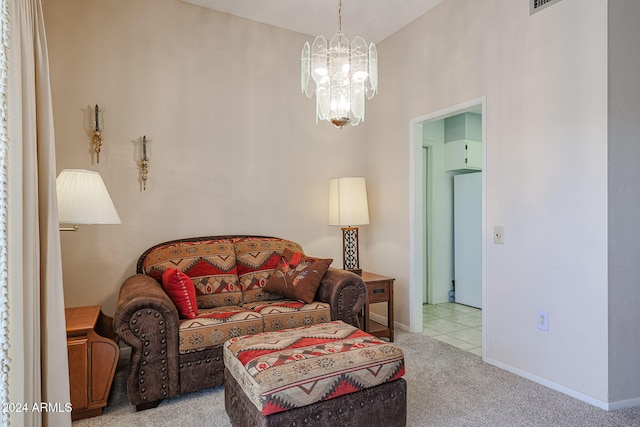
[
  {"x": 624, "y": 182},
  {"x": 545, "y": 81},
  {"x": 234, "y": 147}
]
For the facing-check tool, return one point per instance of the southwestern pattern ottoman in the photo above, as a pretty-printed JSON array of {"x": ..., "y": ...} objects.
[{"x": 322, "y": 375}]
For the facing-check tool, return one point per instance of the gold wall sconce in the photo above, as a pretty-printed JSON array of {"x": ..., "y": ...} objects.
[
  {"x": 144, "y": 164},
  {"x": 97, "y": 133}
]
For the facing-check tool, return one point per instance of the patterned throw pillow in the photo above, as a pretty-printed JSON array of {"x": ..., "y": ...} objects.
[
  {"x": 297, "y": 276},
  {"x": 182, "y": 292}
]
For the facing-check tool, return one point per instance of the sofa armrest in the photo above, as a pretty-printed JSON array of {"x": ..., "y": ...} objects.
[
  {"x": 345, "y": 292},
  {"x": 146, "y": 319}
]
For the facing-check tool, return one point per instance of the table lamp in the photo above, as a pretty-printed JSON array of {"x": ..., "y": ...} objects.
[{"x": 348, "y": 208}]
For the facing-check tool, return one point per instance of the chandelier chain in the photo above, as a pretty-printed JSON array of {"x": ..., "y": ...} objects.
[{"x": 340, "y": 16}]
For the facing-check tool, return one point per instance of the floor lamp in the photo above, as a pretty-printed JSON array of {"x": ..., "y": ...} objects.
[
  {"x": 348, "y": 208},
  {"x": 83, "y": 199}
]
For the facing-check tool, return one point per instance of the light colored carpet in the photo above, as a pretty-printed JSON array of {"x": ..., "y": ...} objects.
[{"x": 446, "y": 387}]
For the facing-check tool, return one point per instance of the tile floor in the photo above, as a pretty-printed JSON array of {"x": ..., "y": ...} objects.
[{"x": 455, "y": 324}]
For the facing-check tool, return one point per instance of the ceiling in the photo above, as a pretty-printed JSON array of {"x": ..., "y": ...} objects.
[{"x": 374, "y": 20}]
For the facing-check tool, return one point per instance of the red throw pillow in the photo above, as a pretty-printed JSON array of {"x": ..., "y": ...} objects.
[
  {"x": 297, "y": 276},
  {"x": 182, "y": 292}
]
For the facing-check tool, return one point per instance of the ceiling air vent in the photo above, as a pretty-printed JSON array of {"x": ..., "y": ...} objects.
[{"x": 538, "y": 5}]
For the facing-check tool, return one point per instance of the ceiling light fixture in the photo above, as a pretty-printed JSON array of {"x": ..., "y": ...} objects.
[{"x": 343, "y": 74}]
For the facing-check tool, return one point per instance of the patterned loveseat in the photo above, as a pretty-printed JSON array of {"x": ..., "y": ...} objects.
[{"x": 172, "y": 355}]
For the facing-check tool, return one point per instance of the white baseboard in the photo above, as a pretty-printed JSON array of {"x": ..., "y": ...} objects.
[
  {"x": 378, "y": 318},
  {"x": 621, "y": 404},
  {"x": 401, "y": 327},
  {"x": 383, "y": 320},
  {"x": 607, "y": 406}
]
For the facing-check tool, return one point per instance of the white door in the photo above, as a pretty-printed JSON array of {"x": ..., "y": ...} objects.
[{"x": 467, "y": 238}]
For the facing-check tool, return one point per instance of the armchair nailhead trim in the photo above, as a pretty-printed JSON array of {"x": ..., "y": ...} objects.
[{"x": 146, "y": 342}]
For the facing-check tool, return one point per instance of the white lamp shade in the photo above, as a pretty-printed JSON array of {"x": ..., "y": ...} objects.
[
  {"x": 348, "y": 201},
  {"x": 84, "y": 199}
]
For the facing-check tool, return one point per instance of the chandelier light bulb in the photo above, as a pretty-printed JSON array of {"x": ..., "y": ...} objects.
[{"x": 341, "y": 75}]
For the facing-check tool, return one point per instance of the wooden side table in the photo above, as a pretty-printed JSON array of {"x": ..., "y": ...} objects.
[
  {"x": 92, "y": 361},
  {"x": 379, "y": 289}
]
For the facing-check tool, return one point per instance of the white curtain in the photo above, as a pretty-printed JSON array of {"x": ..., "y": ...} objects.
[
  {"x": 36, "y": 302},
  {"x": 4, "y": 226}
]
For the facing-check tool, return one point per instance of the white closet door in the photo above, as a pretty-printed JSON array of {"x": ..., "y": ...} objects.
[{"x": 467, "y": 238}]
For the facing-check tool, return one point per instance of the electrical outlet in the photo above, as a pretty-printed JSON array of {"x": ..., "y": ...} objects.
[
  {"x": 543, "y": 321},
  {"x": 498, "y": 235}
]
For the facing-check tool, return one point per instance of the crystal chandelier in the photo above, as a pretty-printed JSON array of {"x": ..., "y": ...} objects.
[{"x": 343, "y": 75}]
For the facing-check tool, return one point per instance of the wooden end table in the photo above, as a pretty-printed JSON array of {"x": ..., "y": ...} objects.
[
  {"x": 379, "y": 289},
  {"x": 92, "y": 361}
]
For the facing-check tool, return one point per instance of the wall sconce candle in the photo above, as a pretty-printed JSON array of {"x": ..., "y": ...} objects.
[
  {"x": 144, "y": 164},
  {"x": 97, "y": 134}
]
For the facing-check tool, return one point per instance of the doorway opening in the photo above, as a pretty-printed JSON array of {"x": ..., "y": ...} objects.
[{"x": 439, "y": 142}]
